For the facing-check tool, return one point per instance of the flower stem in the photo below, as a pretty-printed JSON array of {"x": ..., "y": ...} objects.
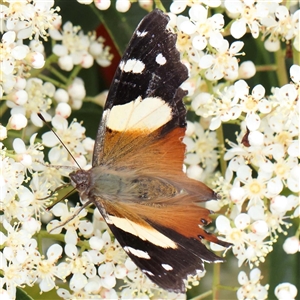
[
  {"x": 74, "y": 73},
  {"x": 216, "y": 281},
  {"x": 266, "y": 68},
  {"x": 3, "y": 109},
  {"x": 281, "y": 67},
  {"x": 296, "y": 56},
  {"x": 220, "y": 137},
  {"x": 202, "y": 296},
  {"x": 158, "y": 4},
  {"x": 55, "y": 82},
  {"x": 228, "y": 288},
  {"x": 57, "y": 73}
]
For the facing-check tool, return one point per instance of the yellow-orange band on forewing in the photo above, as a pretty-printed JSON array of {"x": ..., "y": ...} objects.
[
  {"x": 146, "y": 114},
  {"x": 144, "y": 233}
]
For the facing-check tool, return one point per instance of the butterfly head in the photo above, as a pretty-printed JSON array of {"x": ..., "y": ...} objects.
[{"x": 80, "y": 179}]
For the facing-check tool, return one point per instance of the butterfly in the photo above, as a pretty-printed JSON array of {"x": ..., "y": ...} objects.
[{"x": 137, "y": 180}]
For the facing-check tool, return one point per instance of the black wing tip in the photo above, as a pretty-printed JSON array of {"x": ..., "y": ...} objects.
[
  {"x": 159, "y": 13},
  {"x": 151, "y": 38},
  {"x": 153, "y": 16}
]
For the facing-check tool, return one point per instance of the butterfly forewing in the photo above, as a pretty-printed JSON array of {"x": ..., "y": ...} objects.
[
  {"x": 137, "y": 182},
  {"x": 145, "y": 93}
]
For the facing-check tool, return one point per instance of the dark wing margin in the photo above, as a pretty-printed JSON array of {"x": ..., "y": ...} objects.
[{"x": 153, "y": 46}]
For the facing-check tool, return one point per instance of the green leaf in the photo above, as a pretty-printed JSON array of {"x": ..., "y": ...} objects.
[
  {"x": 22, "y": 295},
  {"x": 120, "y": 26},
  {"x": 283, "y": 267}
]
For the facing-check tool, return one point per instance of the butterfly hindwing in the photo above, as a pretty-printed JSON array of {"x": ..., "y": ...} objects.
[{"x": 163, "y": 239}]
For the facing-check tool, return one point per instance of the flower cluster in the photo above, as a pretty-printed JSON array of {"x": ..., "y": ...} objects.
[
  {"x": 120, "y": 5},
  {"x": 258, "y": 176},
  {"x": 261, "y": 182},
  {"x": 76, "y": 48},
  {"x": 271, "y": 148}
]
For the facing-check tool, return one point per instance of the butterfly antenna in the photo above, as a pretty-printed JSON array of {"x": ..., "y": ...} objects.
[
  {"x": 42, "y": 118},
  {"x": 76, "y": 213}
]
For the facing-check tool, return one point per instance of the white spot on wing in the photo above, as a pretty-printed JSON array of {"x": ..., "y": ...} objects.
[
  {"x": 160, "y": 59},
  {"x": 148, "y": 272},
  {"x": 132, "y": 66},
  {"x": 144, "y": 233},
  {"x": 141, "y": 34},
  {"x": 167, "y": 267},
  {"x": 148, "y": 114},
  {"x": 137, "y": 252}
]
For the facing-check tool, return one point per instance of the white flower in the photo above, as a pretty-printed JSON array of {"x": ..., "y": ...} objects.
[
  {"x": 47, "y": 268},
  {"x": 294, "y": 72},
  {"x": 247, "y": 239},
  {"x": 222, "y": 107},
  {"x": 86, "y": 2},
  {"x": 247, "y": 69},
  {"x": 291, "y": 245},
  {"x": 285, "y": 173},
  {"x": 61, "y": 95},
  {"x": 3, "y": 133},
  {"x": 71, "y": 135},
  {"x": 281, "y": 25},
  {"x": 19, "y": 97},
  {"x": 201, "y": 149},
  {"x": 17, "y": 243},
  {"x": 286, "y": 114},
  {"x": 254, "y": 188},
  {"x": 17, "y": 121},
  {"x": 31, "y": 156},
  {"x": 102, "y": 4},
  {"x": 285, "y": 291},
  {"x": 178, "y": 6},
  {"x": 251, "y": 288},
  {"x": 36, "y": 60},
  {"x": 235, "y": 234},
  {"x": 69, "y": 220},
  {"x": 76, "y": 91},
  {"x": 76, "y": 48},
  {"x": 205, "y": 29},
  {"x": 249, "y": 14},
  {"x": 23, "y": 21},
  {"x": 13, "y": 179},
  {"x": 63, "y": 109},
  {"x": 123, "y": 5},
  {"x": 222, "y": 64},
  {"x": 39, "y": 100},
  {"x": 14, "y": 275},
  {"x": 80, "y": 265},
  {"x": 250, "y": 104}
]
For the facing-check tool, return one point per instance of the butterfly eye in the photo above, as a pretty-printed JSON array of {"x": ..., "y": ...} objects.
[{"x": 81, "y": 186}]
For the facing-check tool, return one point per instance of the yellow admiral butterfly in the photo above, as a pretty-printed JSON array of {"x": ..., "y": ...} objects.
[{"x": 137, "y": 180}]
